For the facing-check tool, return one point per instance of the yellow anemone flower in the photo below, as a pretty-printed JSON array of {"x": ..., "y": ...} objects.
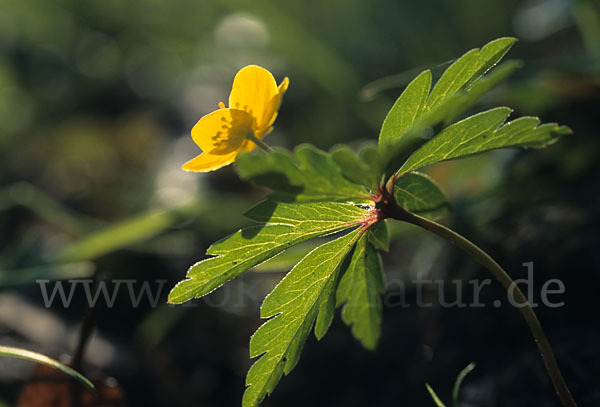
[{"x": 253, "y": 105}]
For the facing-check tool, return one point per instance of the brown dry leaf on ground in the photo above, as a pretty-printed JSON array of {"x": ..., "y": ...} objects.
[{"x": 51, "y": 388}]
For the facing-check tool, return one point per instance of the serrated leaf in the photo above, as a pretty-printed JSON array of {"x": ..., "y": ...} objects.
[
  {"x": 287, "y": 259},
  {"x": 294, "y": 305},
  {"x": 327, "y": 302},
  {"x": 288, "y": 224},
  {"x": 418, "y": 193},
  {"x": 483, "y": 132},
  {"x": 409, "y": 122},
  {"x": 467, "y": 69},
  {"x": 361, "y": 287},
  {"x": 306, "y": 214},
  {"x": 308, "y": 175},
  {"x": 465, "y": 100},
  {"x": 379, "y": 235}
]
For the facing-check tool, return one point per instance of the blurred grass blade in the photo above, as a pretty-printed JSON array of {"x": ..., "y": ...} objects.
[
  {"x": 126, "y": 233},
  {"x": 28, "y": 275},
  {"x": 45, "y": 360},
  {"x": 44, "y": 206},
  {"x": 459, "y": 380},
  {"x": 434, "y": 396},
  {"x": 371, "y": 90}
]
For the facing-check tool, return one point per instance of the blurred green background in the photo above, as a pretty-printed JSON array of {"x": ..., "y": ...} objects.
[{"x": 97, "y": 100}]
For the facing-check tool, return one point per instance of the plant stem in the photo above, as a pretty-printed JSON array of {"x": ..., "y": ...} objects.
[
  {"x": 85, "y": 333},
  {"x": 461, "y": 376},
  {"x": 485, "y": 260},
  {"x": 258, "y": 142}
]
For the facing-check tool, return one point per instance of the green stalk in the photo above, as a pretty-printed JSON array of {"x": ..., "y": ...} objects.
[
  {"x": 485, "y": 260},
  {"x": 461, "y": 376},
  {"x": 258, "y": 142}
]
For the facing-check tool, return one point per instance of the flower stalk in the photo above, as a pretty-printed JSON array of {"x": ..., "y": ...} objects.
[
  {"x": 264, "y": 146},
  {"x": 395, "y": 212}
]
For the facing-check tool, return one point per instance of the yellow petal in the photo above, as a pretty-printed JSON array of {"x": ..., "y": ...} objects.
[
  {"x": 255, "y": 91},
  {"x": 206, "y": 162},
  {"x": 282, "y": 88},
  {"x": 222, "y": 131},
  {"x": 274, "y": 107}
]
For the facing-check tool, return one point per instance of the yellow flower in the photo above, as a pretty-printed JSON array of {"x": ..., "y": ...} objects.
[{"x": 253, "y": 105}]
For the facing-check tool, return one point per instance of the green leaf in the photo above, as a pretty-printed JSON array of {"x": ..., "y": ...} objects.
[
  {"x": 409, "y": 122},
  {"x": 465, "y": 100},
  {"x": 307, "y": 214},
  {"x": 327, "y": 302},
  {"x": 39, "y": 358},
  {"x": 287, "y": 259},
  {"x": 371, "y": 156},
  {"x": 294, "y": 305},
  {"x": 379, "y": 235},
  {"x": 409, "y": 107},
  {"x": 483, "y": 132},
  {"x": 418, "y": 193},
  {"x": 354, "y": 168},
  {"x": 366, "y": 167},
  {"x": 467, "y": 69},
  {"x": 288, "y": 224},
  {"x": 361, "y": 287},
  {"x": 308, "y": 175}
]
